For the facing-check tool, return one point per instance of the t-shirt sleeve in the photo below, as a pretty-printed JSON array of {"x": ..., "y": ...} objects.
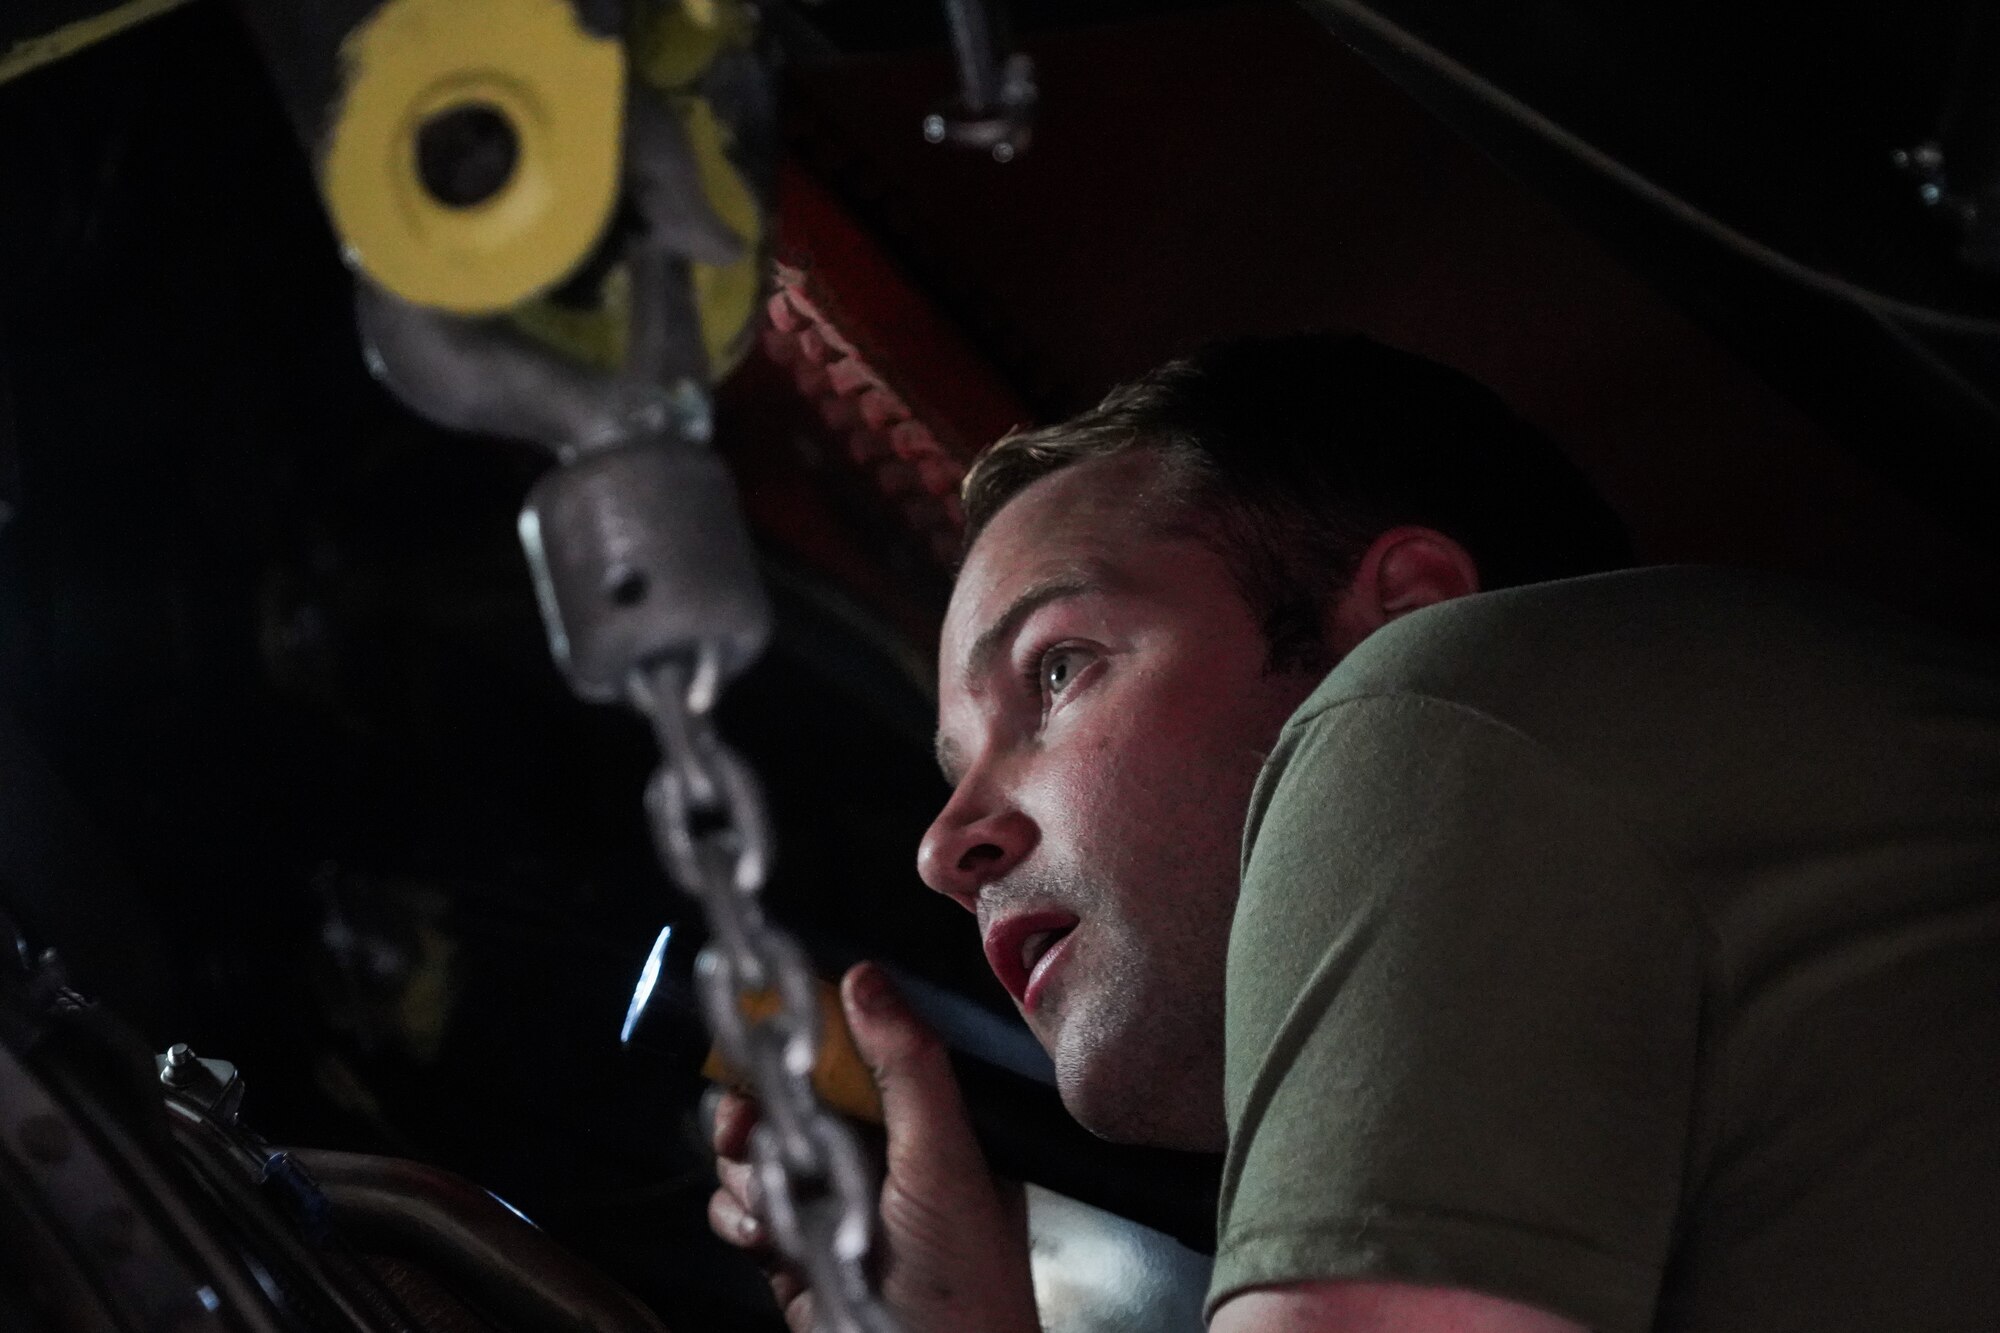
[{"x": 1463, "y": 1009}]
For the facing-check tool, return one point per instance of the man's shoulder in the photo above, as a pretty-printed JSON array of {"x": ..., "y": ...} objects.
[{"x": 1589, "y": 645}]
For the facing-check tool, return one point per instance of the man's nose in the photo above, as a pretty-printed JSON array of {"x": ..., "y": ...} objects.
[{"x": 966, "y": 848}]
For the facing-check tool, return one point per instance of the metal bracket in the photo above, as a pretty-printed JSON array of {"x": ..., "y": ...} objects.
[
  {"x": 210, "y": 1087},
  {"x": 996, "y": 101}
]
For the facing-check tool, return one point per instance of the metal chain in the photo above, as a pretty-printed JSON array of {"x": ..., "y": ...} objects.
[
  {"x": 648, "y": 588},
  {"x": 710, "y": 826}
]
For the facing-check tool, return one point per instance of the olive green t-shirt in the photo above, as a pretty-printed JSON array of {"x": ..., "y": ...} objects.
[{"x": 1629, "y": 947}]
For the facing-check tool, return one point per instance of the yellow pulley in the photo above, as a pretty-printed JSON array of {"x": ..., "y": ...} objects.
[{"x": 473, "y": 160}]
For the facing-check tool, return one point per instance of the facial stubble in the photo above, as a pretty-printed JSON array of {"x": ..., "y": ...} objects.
[{"x": 1133, "y": 1023}]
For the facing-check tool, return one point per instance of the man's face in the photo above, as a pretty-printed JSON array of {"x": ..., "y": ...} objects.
[{"x": 1103, "y": 711}]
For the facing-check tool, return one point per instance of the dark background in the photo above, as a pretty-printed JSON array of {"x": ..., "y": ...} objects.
[{"x": 287, "y": 772}]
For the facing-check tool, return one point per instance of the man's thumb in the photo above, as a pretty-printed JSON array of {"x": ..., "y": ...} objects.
[{"x": 921, "y": 1106}]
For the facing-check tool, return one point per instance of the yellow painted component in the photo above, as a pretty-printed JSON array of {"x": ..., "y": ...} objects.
[
  {"x": 559, "y": 86},
  {"x": 841, "y": 1077},
  {"x": 34, "y": 52},
  {"x": 726, "y": 295},
  {"x": 672, "y": 44},
  {"x": 595, "y": 336}
]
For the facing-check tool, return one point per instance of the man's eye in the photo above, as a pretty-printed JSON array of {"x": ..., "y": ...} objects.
[{"x": 1058, "y": 668}]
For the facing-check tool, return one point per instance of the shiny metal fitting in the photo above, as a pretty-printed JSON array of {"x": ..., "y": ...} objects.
[{"x": 639, "y": 554}]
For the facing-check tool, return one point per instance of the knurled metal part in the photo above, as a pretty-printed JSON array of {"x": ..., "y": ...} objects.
[{"x": 638, "y": 554}]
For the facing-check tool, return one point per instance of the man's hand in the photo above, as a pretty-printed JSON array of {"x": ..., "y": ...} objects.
[{"x": 954, "y": 1239}]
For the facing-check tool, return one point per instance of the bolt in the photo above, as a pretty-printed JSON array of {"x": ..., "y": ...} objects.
[
  {"x": 1929, "y": 192},
  {"x": 934, "y": 129},
  {"x": 180, "y": 1064},
  {"x": 45, "y": 1138},
  {"x": 1003, "y": 152}
]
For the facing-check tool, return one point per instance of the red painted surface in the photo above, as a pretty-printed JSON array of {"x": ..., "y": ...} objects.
[
  {"x": 838, "y": 278},
  {"x": 1239, "y": 171},
  {"x": 857, "y": 378}
]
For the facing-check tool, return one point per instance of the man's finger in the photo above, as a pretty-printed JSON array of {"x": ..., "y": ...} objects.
[
  {"x": 740, "y": 1179},
  {"x": 735, "y": 1116},
  {"x": 732, "y": 1222},
  {"x": 931, "y": 1148},
  {"x": 795, "y": 1301}
]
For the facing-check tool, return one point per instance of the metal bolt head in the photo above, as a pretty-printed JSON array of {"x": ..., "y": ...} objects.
[
  {"x": 1003, "y": 152},
  {"x": 934, "y": 128},
  {"x": 179, "y": 1065}
]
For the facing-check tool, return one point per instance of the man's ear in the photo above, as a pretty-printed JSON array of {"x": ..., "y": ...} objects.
[{"x": 1404, "y": 570}]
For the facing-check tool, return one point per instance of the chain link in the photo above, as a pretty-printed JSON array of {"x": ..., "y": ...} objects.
[{"x": 709, "y": 824}]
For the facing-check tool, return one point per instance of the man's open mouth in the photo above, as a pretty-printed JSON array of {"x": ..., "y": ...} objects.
[
  {"x": 1037, "y": 945},
  {"x": 1017, "y": 947}
]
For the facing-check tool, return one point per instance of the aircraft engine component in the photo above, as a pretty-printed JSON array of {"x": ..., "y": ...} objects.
[{"x": 135, "y": 1199}]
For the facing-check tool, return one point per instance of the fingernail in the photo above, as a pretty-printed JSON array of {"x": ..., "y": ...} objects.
[
  {"x": 870, "y": 989},
  {"x": 747, "y": 1227}
]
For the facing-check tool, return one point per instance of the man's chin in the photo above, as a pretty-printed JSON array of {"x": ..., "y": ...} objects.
[
  {"x": 1106, "y": 1122},
  {"x": 1133, "y": 1091},
  {"x": 1086, "y": 1079},
  {"x": 1147, "y": 1122},
  {"x": 1120, "y": 1110}
]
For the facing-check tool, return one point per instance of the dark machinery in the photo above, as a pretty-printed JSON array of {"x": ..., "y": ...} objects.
[
  {"x": 556, "y": 216},
  {"x": 137, "y": 1198}
]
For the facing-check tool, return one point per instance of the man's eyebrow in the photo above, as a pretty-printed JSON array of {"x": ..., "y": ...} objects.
[{"x": 1001, "y": 632}]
